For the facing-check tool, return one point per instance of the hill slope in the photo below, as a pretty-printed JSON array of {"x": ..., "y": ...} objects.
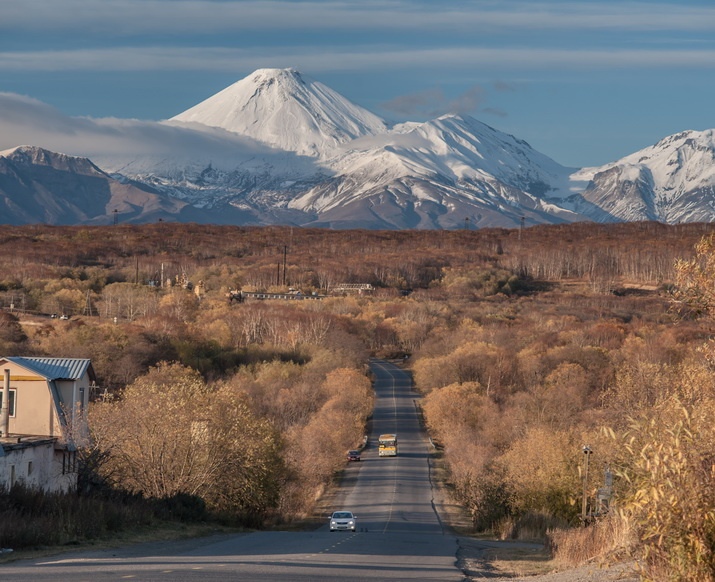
[{"x": 37, "y": 185}]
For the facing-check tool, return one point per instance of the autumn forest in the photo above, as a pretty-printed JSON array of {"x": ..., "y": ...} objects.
[{"x": 525, "y": 344}]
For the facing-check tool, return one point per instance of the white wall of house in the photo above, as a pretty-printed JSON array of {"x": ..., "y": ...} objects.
[{"x": 38, "y": 465}]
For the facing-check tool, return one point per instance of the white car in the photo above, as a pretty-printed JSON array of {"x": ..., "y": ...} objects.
[{"x": 343, "y": 520}]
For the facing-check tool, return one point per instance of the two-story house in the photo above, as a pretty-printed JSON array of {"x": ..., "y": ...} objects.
[{"x": 43, "y": 405}]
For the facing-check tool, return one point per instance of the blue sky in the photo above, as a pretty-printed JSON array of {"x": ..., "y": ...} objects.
[{"x": 585, "y": 82}]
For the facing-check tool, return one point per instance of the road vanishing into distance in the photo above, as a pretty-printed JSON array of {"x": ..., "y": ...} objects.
[{"x": 399, "y": 535}]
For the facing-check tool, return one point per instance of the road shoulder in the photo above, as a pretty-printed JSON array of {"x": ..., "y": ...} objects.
[{"x": 512, "y": 561}]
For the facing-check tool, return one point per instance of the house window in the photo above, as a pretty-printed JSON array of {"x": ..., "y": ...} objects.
[
  {"x": 69, "y": 462},
  {"x": 12, "y": 401}
]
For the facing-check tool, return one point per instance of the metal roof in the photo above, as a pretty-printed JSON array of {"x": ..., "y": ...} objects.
[{"x": 57, "y": 368}]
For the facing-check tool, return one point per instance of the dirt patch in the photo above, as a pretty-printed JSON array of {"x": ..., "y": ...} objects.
[
  {"x": 503, "y": 561},
  {"x": 480, "y": 559}
]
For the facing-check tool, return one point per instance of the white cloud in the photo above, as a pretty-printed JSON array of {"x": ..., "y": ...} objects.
[
  {"x": 27, "y": 121},
  {"x": 434, "y": 102},
  {"x": 132, "y": 17},
  {"x": 321, "y": 59}
]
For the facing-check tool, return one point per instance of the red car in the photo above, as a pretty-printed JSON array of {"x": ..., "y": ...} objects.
[{"x": 353, "y": 455}]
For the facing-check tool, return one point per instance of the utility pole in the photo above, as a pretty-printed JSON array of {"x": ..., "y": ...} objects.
[
  {"x": 285, "y": 260},
  {"x": 116, "y": 214},
  {"x": 5, "y": 406},
  {"x": 521, "y": 226},
  {"x": 587, "y": 455}
]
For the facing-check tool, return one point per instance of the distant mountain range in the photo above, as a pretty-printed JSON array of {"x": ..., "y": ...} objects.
[
  {"x": 39, "y": 186},
  {"x": 280, "y": 148}
]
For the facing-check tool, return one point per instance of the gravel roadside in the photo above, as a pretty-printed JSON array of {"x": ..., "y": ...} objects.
[{"x": 473, "y": 561}]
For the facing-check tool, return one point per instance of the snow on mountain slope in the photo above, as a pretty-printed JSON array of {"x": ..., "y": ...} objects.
[
  {"x": 28, "y": 156},
  {"x": 285, "y": 109},
  {"x": 202, "y": 165},
  {"x": 418, "y": 203},
  {"x": 445, "y": 170},
  {"x": 466, "y": 149},
  {"x": 671, "y": 181}
]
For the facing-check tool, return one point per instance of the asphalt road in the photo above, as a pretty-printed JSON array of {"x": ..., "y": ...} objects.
[{"x": 399, "y": 534}]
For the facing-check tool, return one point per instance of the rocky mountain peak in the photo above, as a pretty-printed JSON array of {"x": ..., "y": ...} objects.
[{"x": 36, "y": 156}]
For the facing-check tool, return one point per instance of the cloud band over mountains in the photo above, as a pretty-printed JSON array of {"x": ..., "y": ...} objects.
[{"x": 27, "y": 121}]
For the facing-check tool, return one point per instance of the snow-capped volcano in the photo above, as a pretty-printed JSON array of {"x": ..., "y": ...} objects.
[
  {"x": 287, "y": 110},
  {"x": 414, "y": 175},
  {"x": 280, "y": 148},
  {"x": 671, "y": 181}
]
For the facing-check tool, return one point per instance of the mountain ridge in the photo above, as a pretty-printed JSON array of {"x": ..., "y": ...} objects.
[
  {"x": 37, "y": 185},
  {"x": 278, "y": 147},
  {"x": 670, "y": 181}
]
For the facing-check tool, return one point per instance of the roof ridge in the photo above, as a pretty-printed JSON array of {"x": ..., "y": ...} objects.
[{"x": 54, "y": 368}]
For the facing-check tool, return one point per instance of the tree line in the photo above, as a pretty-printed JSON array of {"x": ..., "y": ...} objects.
[{"x": 526, "y": 344}]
